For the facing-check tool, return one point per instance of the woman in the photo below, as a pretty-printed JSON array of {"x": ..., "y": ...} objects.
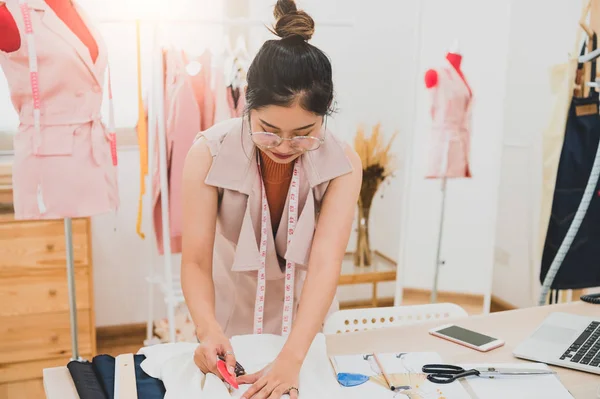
[{"x": 248, "y": 183}]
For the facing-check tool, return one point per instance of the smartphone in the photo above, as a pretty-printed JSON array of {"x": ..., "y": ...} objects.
[{"x": 468, "y": 338}]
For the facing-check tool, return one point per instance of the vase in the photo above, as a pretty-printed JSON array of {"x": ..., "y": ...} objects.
[{"x": 363, "y": 255}]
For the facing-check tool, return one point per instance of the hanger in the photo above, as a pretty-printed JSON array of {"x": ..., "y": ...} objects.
[
  {"x": 229, "y": 60},
  {"x": 590, "y": 56},
  {"x": 236, "y": 72},
  {"x": 228, "y": 50},
  {"x": 235, "y": 65},
  {"x": 240, "y": 48},
  {"x": 586, "y": 29}
]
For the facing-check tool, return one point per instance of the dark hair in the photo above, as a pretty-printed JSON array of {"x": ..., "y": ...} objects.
[{"x": 291, "y": 69}]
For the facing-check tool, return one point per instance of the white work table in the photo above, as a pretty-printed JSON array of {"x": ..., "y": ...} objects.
[{"x": 512, "y": 326}]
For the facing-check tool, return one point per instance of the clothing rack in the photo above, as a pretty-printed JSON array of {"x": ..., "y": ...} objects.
[
  {"x": 406, "y": 176},
  {"x": 168, "y": 284}
]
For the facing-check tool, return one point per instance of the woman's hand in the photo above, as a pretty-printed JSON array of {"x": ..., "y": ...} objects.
[
  {"x": 277, "y": 379},
  {"x": 212, "y": 346}
]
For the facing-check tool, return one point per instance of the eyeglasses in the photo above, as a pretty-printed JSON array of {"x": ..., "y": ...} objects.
[{"x": 300, "y": 143}]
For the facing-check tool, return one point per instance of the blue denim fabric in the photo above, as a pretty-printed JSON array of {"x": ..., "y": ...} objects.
[{"x": 147, "y": 387}]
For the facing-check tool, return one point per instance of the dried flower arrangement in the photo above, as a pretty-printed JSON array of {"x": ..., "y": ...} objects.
[{"x": 378, "y": 165}]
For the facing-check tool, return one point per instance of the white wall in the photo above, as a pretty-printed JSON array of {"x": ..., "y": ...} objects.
[
  {"x": 374, "y": 75},
  {"x": 527, "y": 110}
]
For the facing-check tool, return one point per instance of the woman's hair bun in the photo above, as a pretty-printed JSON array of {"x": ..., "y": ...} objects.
[{"x": 292, "y": 22}]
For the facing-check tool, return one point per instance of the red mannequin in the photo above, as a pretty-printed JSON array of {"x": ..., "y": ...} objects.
[
  {"x": 431, "y": 76},
  {"x": 10, "y": 40}
]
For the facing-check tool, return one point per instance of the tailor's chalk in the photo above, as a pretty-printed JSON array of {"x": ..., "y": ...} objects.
[{"x": 351, "y": 379}]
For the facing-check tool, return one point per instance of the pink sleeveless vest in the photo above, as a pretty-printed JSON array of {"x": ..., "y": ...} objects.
[
  {"x": 236, "y": 258},
  {"x": 67, "y": 170}
]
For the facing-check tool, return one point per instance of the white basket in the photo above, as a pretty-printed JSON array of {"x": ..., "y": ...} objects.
[{"x": 351, "y": 320}]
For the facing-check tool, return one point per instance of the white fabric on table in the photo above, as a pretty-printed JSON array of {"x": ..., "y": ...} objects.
[{"x": 173, "y": 363}]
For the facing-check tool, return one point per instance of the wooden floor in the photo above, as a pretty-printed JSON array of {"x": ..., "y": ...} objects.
[{"x": 128, "y": 339}]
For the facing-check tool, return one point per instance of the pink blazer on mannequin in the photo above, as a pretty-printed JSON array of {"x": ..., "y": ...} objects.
[
  {"x": 236, "y": 258},
  {"x": 70, "y": 173},
  {"x": 450, "y": 140}
]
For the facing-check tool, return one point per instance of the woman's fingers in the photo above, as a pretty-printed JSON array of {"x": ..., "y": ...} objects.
[
  {"x": 255, "y": 389},
  {"x": 229, "y": 358},
  {"x": 293, "y": 394},
  {"x": 249, "y": 378},
  {"x": 209, "y": 354},
  {"x": 277, "y": 393}
]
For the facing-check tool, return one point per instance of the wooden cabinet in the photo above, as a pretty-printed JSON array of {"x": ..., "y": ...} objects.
[{"x": 34, "y": 306}]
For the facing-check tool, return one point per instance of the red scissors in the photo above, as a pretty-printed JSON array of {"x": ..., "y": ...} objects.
[{"x": 230, "y": 379}]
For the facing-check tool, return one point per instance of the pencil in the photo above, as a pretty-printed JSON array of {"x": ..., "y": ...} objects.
[{"x": 385, "y": 377}]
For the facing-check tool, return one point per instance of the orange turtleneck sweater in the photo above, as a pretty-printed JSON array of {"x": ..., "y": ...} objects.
[{"x": 277, "y": 178}]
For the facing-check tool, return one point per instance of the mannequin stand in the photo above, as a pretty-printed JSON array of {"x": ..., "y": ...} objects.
[
  {"x": 438, "y": 261},
  {"x": 72, "y": 298}
]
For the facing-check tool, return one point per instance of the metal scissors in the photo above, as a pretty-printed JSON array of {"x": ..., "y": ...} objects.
[{"x": 446, "y": 373}]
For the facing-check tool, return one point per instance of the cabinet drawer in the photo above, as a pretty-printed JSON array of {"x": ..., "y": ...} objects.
[
  {"x": 42, "y": 336},
  {"x": 33, "y": 291},
  {"x": 23, "y": 389},
  {"x": 40, "y": 244},
  {"x": 30, "y": 370}
]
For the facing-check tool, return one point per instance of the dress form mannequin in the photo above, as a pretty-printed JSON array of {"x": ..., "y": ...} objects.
[
  {"x": 448, "y": 157},
  {"x": 64, "y": 165},
  {"x": 71, "y": 65},
  {"x": 10, "y": 39},
  {"x": 454, "y": 58}
]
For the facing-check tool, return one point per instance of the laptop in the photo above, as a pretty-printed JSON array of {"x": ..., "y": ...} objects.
[{"x": 564, "y": 340}]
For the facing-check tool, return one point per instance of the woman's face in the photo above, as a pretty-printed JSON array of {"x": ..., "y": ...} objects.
[{"x": 285, "y": 122}]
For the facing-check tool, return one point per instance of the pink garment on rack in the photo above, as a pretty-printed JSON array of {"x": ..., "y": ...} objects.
[
  {"x": 202, "y": 84},
  {"x": 70, "y": 173},
  {"x": 182, "y": 118},
  {"x": 450, "y": 140}
]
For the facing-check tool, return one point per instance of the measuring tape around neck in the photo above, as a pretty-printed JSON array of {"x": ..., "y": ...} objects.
[
  {"x": 290, "y": 267},
  {"x": 35, "y": 89}
]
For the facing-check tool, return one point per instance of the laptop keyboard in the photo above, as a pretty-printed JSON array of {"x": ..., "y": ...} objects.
[{"x": 586, "y": 348}]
